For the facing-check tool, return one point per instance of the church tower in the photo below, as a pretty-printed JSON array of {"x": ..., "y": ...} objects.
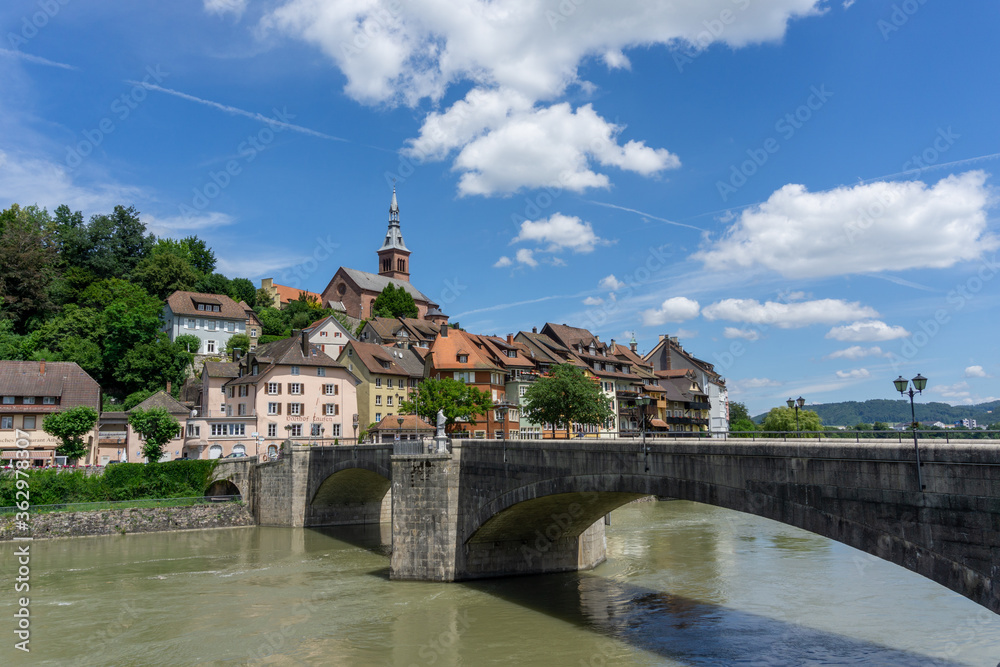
[{"x": 394, "y": 256}]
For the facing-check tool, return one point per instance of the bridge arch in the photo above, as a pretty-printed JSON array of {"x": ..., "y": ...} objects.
[
  {"x": 354, "y": 492},
  {"x": 223, "y": 487}
]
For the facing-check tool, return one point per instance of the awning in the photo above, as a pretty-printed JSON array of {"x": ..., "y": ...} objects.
[
  {"x": 658, "y": 423},
  {"x": 32, "y": 454}
]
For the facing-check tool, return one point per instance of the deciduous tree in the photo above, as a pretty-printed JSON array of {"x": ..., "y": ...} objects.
[
  {"x": 156, "y": 427},
  {"x": 70, "y": 426},
  {"x": 566, "y": 396},
  {"x": 394, "y": 302},
  {"x": 457, "y": 399}
]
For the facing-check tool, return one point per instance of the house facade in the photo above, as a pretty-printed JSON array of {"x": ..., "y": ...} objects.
[
  {"x": 212, "y": 318},
  {"x": 32, "y": 390},
  {"x": 670, "y": 355},
  {"x": 387, "y": 377},
  {"x": 330, "y": 335}
]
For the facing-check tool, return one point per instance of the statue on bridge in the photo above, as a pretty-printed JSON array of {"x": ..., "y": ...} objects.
[{"x": 440, "y": 424}]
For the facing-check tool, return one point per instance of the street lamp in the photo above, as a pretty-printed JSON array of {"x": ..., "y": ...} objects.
[
  {"x": 399, "y": 420},
  {"x": 919, "y": 383},
  {"x": 641, "y": 404},
  {"x": 796, "y": 403}
]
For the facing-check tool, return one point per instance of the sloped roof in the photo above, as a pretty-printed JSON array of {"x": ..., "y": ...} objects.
[
  {"x": 162, "y": 399},
  {"x": 221, "y": 369},
  {"x": 376, "y": 283},
  {"x": 445, "y": 351},
  {"x": 60, "y": 378},
  {"x": 186, "y": 303},
  {"x": 372, "y": 356},
  {"x": 391, "y": 423},
  {"x": 287, "y": 294},
  {"x": 288, "y": 352}
]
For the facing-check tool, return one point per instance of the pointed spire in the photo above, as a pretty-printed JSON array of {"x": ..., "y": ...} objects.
[
  {"x": 393, "y": 207},
  {"x": 393, "y": 236}
]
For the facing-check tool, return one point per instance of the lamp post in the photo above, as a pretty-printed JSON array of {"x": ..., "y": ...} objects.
[
  {"x": 641, "y": 404},
  {"x": 399, "y": 420},
  {"x": 919, "y": 383},
  {"x": 796, "y": 403}
]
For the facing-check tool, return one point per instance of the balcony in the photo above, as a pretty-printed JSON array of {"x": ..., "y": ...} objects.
[
  {"x": 698, "y": 405},
  {"x": 693, "y": 421}
]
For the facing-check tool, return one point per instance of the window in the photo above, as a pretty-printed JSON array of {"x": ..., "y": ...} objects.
[
  {"x": 254, "y": 369},
  {"x": 335, "y": 431},
  {"x": 330, "y": 390},
  {"x": 465, "y": 376},
  {"x": 330, "y": 409},
  {"x": 244, "y": 390},
  {"x": 520, "y": 390},
  {"x": 190, "y": 323},
  {"x": 388, "y": 400},
  {"x": 295, "y": 388},
  {"x": 316, "y": 430},
  {"x": 323, "y": 334},
  {"x": 295, "y": 431},
  {"x": 378, "y": 399},
  {"x": 295, "y": 409},
  {"x": 6, "y": 422},
  {"x": 480, "y": 435},
  {"x": 378, "y": 382},
  {"x": 272, "y": 430},
  {"x": 228, "y": 429},
  {"x": 231, "y": 392},
  {"x": 210, "y": 346},
  {"x": 193, "y": 431},
  {"x": 210, "y": 325},
  {"x": 201, "y": 306},
  {"x": 28, "y": 400},
  {"x": 378, "y": 417},
  {"x": 274, "y": 408},
  {"x": 388, "y": 383},
  {"x": 29, "y": 422},
  {"x": 273, "y": 388},
  {"x": 241, "y": 410},
  {"x": 253, "y": 332},
  {"x": 321, "y": 372},
  {"x": 8, "y": 400},
  {"x": 295, "y": 370},
  {"x": 463, "y": 358},
  {"x": 230, "y": 326},
  {"x": 498, "y": 435}
]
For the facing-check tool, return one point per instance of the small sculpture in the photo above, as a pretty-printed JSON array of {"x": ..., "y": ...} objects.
[{"x": 440, "y": 423}]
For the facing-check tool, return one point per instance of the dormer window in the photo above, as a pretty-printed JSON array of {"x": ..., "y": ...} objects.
[{"x": 463, "y": 358}]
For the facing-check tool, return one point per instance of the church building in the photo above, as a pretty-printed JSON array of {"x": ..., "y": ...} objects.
[{"x": 354, "y": 292}]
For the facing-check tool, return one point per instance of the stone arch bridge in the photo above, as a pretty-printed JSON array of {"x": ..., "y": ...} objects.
[{"x": 488, "y": 508}]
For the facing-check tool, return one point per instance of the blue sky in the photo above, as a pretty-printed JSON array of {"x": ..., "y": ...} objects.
[{"x": 802, "y": 191}]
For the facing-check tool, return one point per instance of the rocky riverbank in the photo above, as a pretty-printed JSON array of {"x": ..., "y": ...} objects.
[{"x": 133, "y": 520}]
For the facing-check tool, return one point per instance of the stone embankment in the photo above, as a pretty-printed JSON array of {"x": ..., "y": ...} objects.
[{"x": 133, "y": 520}]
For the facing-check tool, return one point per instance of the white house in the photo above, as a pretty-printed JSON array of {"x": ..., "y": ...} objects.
[{"x": 212, "y": 318}]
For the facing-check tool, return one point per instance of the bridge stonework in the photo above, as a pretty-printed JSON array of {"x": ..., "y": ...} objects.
[{"x": 492, "y": 509}]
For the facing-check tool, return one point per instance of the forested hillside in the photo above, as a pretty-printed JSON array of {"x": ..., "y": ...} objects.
[
  {"x": 891, "y": 411},
  {"x": 93, "y": 292}
]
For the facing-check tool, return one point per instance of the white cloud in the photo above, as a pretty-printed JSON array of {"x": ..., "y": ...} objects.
[
  {"x": 757, "y": 383},
  {"x": 611, "y": 283},
  {"x": 787, "y": 315},
  {"x": 686, "y": 333},
  {"x": 560, "y": 232},
  {"x": 674, "y": 309},
  {"x": 593, "y": 301},
  {"x": 523, "y": 55},
  {"x": 975, "y": 372},
  {"x": 856, "y": 352},
  {"x": 184, "y": 224},
  {"x": 869, "y": 330},
  {"x": 847, "y": 230},
  {"x": 854, "y": 374},
  {"x": 746, "y": 334},
  {"x": 225, "y": 6},
  {"x": 502, "y": 262},
  {"x": 957, "y": 390},
  {"x": 525, "y": 256}
]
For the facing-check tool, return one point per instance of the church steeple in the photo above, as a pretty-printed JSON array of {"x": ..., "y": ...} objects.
[{"x": 394, "y": 256}]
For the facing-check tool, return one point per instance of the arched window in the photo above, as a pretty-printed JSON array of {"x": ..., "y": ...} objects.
[{"x": 215, "y": 452}]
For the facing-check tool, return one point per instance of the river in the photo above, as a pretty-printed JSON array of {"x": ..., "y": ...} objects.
[{"x": 684, "y": 584}]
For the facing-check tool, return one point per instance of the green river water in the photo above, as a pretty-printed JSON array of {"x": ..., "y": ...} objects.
[{"x": 684, "y": 584}]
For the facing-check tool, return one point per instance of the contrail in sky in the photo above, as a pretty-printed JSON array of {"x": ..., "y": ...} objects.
[{"x": 34, "y": 59}]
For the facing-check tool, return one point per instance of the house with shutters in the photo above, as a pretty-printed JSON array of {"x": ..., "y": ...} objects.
[
  {"x": 212, "y": 318},
  {"x": 330, "y": 335},
  {"x": 669, "y": 355},
  {"x": 387, "y": 376}
]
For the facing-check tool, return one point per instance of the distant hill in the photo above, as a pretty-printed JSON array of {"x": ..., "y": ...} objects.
[{"x": 891, "y": 411}]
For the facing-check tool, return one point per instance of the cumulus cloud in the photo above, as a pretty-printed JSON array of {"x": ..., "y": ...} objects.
[
  {"x": 611, "y": 283},
  {"x": 786, "y": 315},
  {"x": 525, "y": 256},
  {"x": 517, "y": 58},
  {"x": 865, "y": 331},
  {"x": 856, "y": 352},
  {"x": 502, "y": 262},
  {"x": 957, "y": 390},
  {"x": 593, "y": 301},
  {"x": 674, "y": 309},
  {"x": 560, "y": 232},
  {"x": 757, "y": 383},
  {"x": 801, "y": 234},
  {"x": 855, "y": 374},
  {"x": 745, "y": 334},
  {"x": 975, "y": 372}
]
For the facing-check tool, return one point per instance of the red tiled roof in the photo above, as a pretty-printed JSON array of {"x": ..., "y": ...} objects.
[
  {"x": 287, "y": 294},
  {"x": 186, "y": 303},
  {"x": 391, "y": 423},
  {"x": 60, "y": 378}
]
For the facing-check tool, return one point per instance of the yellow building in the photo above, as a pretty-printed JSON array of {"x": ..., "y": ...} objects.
[{"x": 388, "y": 375}]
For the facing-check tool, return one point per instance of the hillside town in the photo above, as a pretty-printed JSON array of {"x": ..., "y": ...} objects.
[{"x": 345, "y": 377}]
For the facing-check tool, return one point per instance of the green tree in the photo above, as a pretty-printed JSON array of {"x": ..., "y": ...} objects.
[
  {"x": 188, "y": 343},
  {"x": 457, "y": 399},
  {"x": 263, "y": 300},
  {"x": 394, "y": 302},
  {"x": 156, "y": 427},
  {"x": 741, "y": 426},
  {"x": 273, "y": 322},
  {"x": 241, "y": 289},
  {"x": 27, "y": 260},
  {"x": 163, "y": 273},
  {"x": 116, "y": 243},
  {"x": 238, "y": 341},
  {"x": 70, "y": 426},
  {"x": 880, "y": 426},
  {"x": 566, "y": 396},
  {"x": 151, "y": 365},
  {"x": 737, "y": 412},
  {"x": 213, "y": 283},
  {"x": 783, "y": 419}
]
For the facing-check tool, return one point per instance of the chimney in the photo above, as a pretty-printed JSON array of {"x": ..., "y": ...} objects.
[
  {"x": 41, "y": 367},
  {"x": 510, "y": 339},
  {"x": 612, "y": 342},
  {"x": 305, "y": 344},
  {"x": 534, "y": 329},
  {"x": 444, "y": 330},
  {"x": 168, "y": 386},
  {"x": 662, "y": 336}
]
